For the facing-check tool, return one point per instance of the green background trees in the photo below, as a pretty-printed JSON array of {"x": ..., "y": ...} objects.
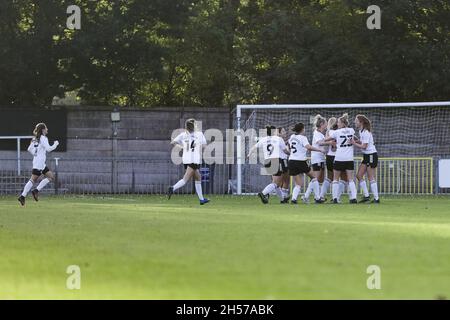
[{"x": 223, "y": 52}]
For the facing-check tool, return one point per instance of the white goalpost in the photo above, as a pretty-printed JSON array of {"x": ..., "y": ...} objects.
[
  {"x": 18, "y": 139},
  {"x": 393, "y": 121}
]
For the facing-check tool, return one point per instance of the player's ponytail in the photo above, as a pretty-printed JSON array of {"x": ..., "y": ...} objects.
[
  {"x": 319, "y": 121},
  {"x": 367, "y": 125},
  {"x": 344, "y": 119},
  {"x": 190, "y": 125},
  {"x": 332, "y": 123},
  {"x": 38, "y": 131}
]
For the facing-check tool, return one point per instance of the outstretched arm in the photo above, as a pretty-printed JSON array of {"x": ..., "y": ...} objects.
[{"x": 47, "y": 146}]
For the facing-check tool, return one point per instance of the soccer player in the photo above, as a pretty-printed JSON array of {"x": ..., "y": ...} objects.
[
  {"x": 344, "y": 159},
  {"x": 299, "y": 146},
  {"x": 317, "y": 158},
  {"x": 39, "y": 147},
  {"x": 192, "y": 142},
  {"x": 370, "y": 158},
  {"x": 285, "y": 172},
  {"x": 272, "y": 146},
  {"x": 329, "y": 159}
]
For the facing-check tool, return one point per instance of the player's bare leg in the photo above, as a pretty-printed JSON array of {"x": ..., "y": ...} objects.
[
  {"x": 362, "y": 182},
  {"x": 187, "y": 176},
  {"x": 49, "y": 177},
  {"x": 372, "y": 175}
]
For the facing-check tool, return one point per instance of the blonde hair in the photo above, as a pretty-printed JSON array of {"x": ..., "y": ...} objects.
[
  {"x": 367, "y": 125},
  {"x": 319, "y": 121},
  {"x": 332, "y": 123},
  {"x": 344, "y": 119}
]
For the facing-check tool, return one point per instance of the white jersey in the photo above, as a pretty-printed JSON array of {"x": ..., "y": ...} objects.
[
  {"x": 298, "y": 143},
  {"x": 39, "y": 151},
  {"x": 273, "y": 147},
  {"x": 331, "y": 149},
  {"x": 367, "y": 137},
  {"x": 344, "y": 151},
  {"x": 283, "y": 155},
  {"x": 192, "y": 143},
  {"x": 317, "y": 157}
]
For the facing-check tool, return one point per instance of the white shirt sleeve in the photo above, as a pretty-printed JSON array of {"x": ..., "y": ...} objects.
[
  {"x": 31, "y": 147},
  {"x": 364, "y": 137},
  {"x": 202, "y": 138},
  {"x": 333, "y": 134},
  {"x": 282, "y": 145},
  {"x": 179, "y": 138},
  {"x": 45, "y": 144},
  {"x": 305, "y": 142}
]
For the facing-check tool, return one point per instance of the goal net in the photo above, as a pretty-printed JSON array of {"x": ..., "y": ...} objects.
[{"x": 408, "y": 136}]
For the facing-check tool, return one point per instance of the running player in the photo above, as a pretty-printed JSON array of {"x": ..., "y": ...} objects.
[
  {"x": 344, "y": 159},
  {"x": 272, "y": 146},
  {"x": 39, "y": 147},
  {"x": 370, "y": 158},
  {"x": 192, "y": 142},
  {"x": 299, "y": 146}
]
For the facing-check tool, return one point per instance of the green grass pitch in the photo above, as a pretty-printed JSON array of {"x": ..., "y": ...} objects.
[{"x": 233, "y": 248}]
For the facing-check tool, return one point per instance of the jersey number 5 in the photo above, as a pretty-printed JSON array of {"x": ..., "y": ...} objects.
[{"x": 293, "y": 147}]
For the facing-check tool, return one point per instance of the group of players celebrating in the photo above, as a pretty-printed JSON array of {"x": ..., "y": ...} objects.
[
  {"x": 332, "y": 160},
  {"x": 332, "y": 157}
]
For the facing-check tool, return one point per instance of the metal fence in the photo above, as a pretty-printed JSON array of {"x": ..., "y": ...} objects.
[
  {"x": 112, "y": 176},
  {"x": 132, "y": 176},
  {"x": 394, "y": 176}
]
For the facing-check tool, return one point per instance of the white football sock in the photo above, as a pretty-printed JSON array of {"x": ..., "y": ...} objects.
[
  {"x": 352, "y": 187},
  {"x": 309, "y": 190},
  {"x": 296, "y": 192},
  {"x": 374, "y": 188},
  {"x": 342, "y": 185},
  {"x": 279, "y": 193},
  {"x": 335, "y": 189},
  {"x": 198, "y": 189},
  {"x": 285, "y": 192},
  {"x": 269, "y": 189},
  {"x": 324, "y": 188},
  {"x": 363, "y": 186},
  {"x": 42, "y": 184},
  {"x": 27, "y": 188},
  {"x": 179, "y": 184},
  {"x": 316, "y": 188}
]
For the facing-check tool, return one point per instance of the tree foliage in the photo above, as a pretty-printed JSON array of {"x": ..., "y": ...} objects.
[{"x": 224, "y": 52}]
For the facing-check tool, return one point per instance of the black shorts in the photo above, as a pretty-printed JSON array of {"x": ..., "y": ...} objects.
[
  {"x": 371, "y": 160},
  {"x": 279, "y": 167},
  {"x": 297, "y": 167},
  {"x": 343, "y": 165},
  {"x": 37, "y": 172},
  {"x": 284, "y": 166},
  {"x": 194, "y": 166},
  {"x": 330, "y": 162},
  {"x": 318, "y": 166}
]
